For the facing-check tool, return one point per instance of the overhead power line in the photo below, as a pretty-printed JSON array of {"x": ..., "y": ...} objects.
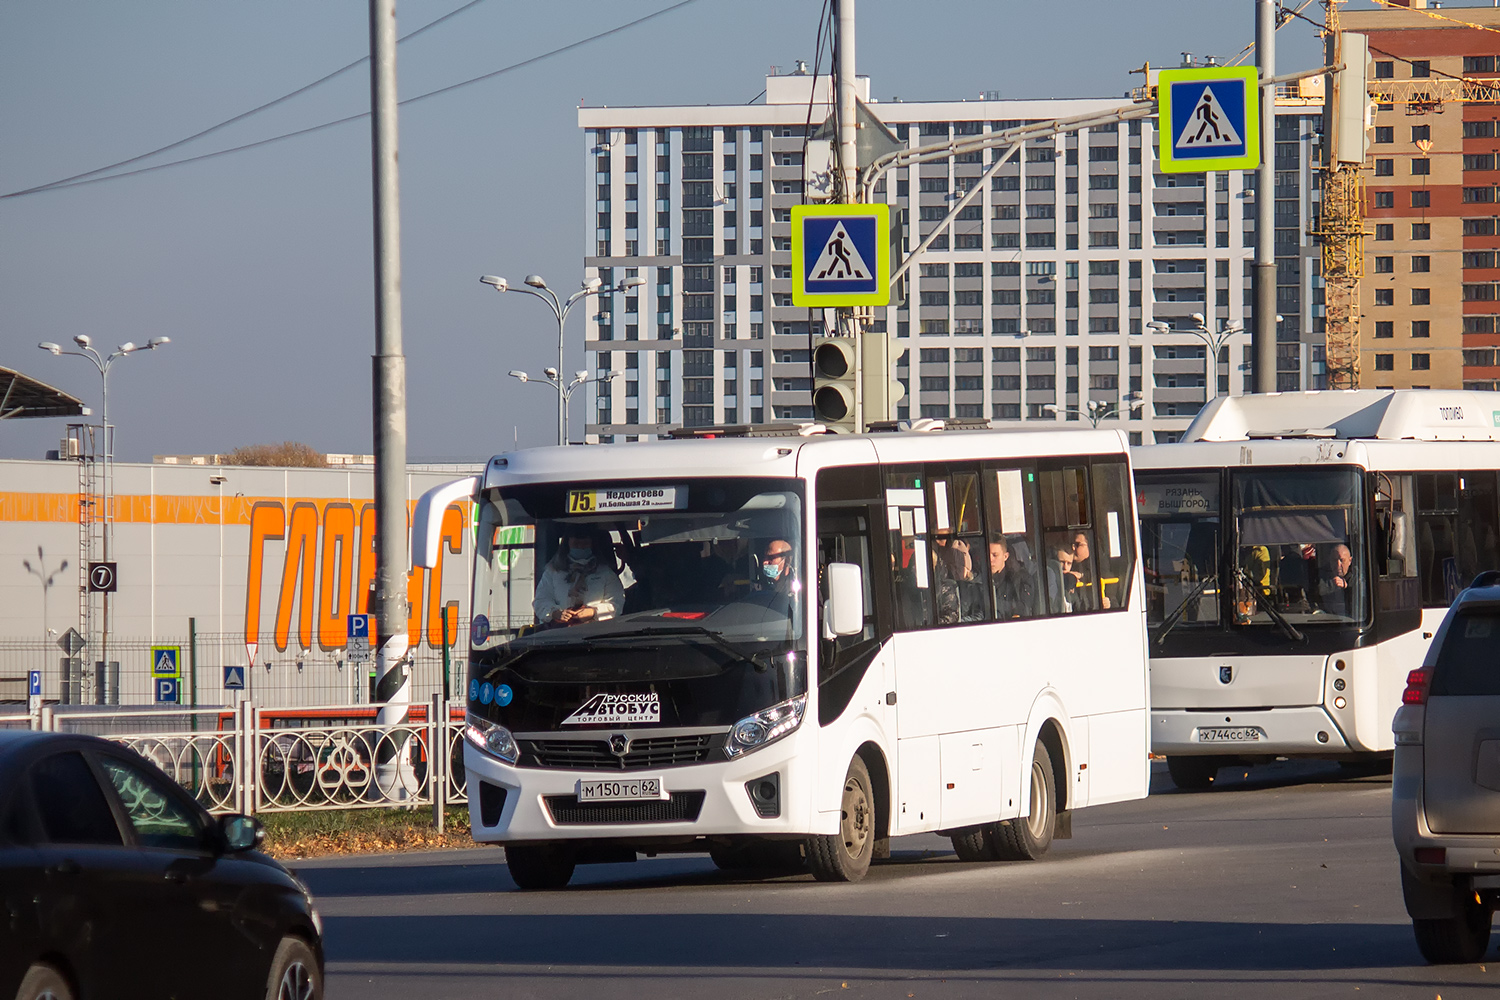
[{"x": 90, "y": 178}]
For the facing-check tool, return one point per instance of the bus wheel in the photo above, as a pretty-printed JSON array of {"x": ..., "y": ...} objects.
[
  {"x": 1193, "y": 774},
  {"x": 975, "y": 843},
  {"x": 539, "y": 866},
  {"x": 1028, "y": 837},
  {"x": 845, "y": 856}
]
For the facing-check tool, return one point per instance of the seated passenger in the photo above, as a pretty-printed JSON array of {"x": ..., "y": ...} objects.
[
  {"x": 1089, "y": 595},
  {"x": 1061, "y": 580},
  {"x": 1010, "y": 586},
  {"x": 576, "y": 587}
]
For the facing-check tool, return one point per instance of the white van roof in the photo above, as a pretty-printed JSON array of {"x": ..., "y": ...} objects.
[{"x": 1380, "y": 414}]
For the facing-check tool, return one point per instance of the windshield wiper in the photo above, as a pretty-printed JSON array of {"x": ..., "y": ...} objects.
[
  {"x": 1172, "y": 620},
  {"x": 1276, "y": 616},
  {"x": 708, "y": 633}
]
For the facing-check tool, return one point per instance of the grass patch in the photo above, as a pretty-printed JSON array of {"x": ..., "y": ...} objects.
[{"x": 293, "y": 836}]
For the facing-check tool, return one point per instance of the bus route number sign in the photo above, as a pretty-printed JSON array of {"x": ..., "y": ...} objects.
[{"x": 617, "y": 498}]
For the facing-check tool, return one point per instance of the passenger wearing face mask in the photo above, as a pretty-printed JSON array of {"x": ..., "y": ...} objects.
[{"x": 576, "y": 587}]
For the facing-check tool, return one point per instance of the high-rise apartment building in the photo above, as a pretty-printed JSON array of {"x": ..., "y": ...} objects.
[
  {"x": 1038, "y": 300},
  {"x": 1429, "y": 295}
]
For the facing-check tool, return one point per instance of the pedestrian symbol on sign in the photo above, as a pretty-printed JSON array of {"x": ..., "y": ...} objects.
[
  {"x": 840, "y": 255},
  {"x": 840, "y": 259},
  {"x": 166, "y": 661},
  {"x": 1209, "y": 126}
]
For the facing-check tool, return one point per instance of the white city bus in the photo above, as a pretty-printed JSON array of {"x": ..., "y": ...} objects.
[
  {"x": 787, "y": 648},
  {"x": 1299, "y": 552}
]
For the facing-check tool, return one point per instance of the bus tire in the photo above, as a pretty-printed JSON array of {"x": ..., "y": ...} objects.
[
  {"x": 975, "y": 843},
  {"x": 539, "y": 866},
  {"x": 845, "y": 856},
  {"x": 1028, "y": 837},
  {"x": 1194, "y": 774},
  {"x": 1461, "y": 938}
]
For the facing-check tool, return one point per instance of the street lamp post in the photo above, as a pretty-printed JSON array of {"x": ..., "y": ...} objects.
[
  {"x": 104, "y": 363},
  {"x": 564, "y": 389},
  {"x": 560, "y": 308},
  {"x": 1213, "y": 342},
  {"x": 40, "y": 572},
  {"x": 1097, "y": 410}
]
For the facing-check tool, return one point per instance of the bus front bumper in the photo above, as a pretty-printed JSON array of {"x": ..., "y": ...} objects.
[
  {"x": 1305, "y": 731},
  {"x": 540, "y": 804}
]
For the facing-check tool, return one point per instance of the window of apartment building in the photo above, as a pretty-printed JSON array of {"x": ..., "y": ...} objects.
[
  {"x": 1385, "y": 134},
  {"x": 1479, "y": 227},
  {"x": 1421, "y": 296},
  {"x": 1479, "y": 195},
  {"x": 1420, "y": 69},
  {"x": 1385, "y": 362},
  {"x": 1421, "y": 263},
  {"x": 1383, "y": 199},
  {"x": 1421, "y": 166},
  {"x": 1385, "y": 168},
  {"x": 1421, "y": 230},
  {"x": 1385, "y": 296},
  {"x": 1420, "y": 133},
  {"x": 1479, "y": 161},
  {"x": 1479, "y": 130},
  {"x": 1385, "y": 231},
  {"x": 1385, "y": 265},
  {"x": 1385, "y": 330},
  {"x": 1421, "y": 328},
  {"x": 1421, "y": 362},
  {"x": 1385, "y": 70},
  {"x": 1479, "y": 64}
]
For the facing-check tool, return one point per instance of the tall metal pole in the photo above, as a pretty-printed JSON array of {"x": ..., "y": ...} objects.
[
  {"x": 393, "y": 684},
  {"x": 1263, "y": 331},
  {"x": 562, "y": 401}
]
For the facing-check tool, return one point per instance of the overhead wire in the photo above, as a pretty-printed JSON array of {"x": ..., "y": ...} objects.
[
  {"x": 244, "y": 114},
  {"x": 63, "y": 185}
]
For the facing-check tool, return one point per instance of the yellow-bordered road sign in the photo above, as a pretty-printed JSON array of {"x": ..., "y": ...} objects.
[
  {"x": 1208, "y": 119},
  {"x": 841, "y": 255}
]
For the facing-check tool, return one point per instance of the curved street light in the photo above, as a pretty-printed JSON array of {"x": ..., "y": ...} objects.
[
  {"x": 1097, "y": 410},
  {"x": 564, "y": 389},
  {"x": 537, "y": 286},
  {"x": 1213, "y": 341}
]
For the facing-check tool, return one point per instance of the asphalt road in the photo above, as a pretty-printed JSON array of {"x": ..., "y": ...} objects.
[{"x": 1280, "y": 884}]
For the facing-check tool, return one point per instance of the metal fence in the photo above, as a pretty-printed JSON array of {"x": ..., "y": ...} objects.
[
  {"x": 252, "y": 758},
  {"x": 291, "y": 677}
]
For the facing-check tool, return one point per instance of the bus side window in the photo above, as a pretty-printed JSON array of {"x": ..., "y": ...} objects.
[
  {"x": 1065, "y": 522},
  {"x": 956, "y": 542},
  {"x": 1455, "y": 531},
  {"x": 910, "y": 562},
  {"x": 1113, "y": 549},
  {"x": 1012, "y": 543}
]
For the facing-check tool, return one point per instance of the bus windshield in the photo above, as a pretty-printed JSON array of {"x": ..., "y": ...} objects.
[
  {"x": 1180, "y": 535},
  {"x": 1297, "y": 546},
  {"x": 640, "y": 581}
]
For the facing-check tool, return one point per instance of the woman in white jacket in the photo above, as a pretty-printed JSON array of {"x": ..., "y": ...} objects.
[{"x": 575, "y": 587}]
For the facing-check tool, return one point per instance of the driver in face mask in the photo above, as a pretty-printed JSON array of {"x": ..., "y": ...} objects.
[
  {"x": 576, "y": 587},
  {"x": 776, "y": 566}
]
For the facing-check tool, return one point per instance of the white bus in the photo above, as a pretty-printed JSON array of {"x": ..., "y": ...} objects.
[
  {"x": 1300, "y": 550},
  {"x": 788, "y": 648}
]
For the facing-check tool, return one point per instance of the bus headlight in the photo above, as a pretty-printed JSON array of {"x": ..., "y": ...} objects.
[
  {"x": 766, "y": 726},
  {"x": 493, "y": 739}
]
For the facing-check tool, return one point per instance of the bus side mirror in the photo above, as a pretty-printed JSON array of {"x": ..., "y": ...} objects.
[
  {"x": 844, "y": 611},
  {"x": 427, "y": 519}
]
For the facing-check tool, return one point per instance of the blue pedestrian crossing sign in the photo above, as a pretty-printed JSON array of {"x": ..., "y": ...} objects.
[
  {"x": 166, "y": 661},
  {"x": 841, "y": 255},
  {"x": 1208, "y": 119},
  {"x": 234, "y": 678},
  {"x": 166, "y": 690}
]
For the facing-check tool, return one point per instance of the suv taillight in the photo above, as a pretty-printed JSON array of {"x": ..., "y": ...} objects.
[{"x": 1416, "y": 687}]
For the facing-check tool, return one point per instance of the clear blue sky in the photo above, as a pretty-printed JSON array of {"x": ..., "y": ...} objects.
[{"x": 258, "y": 264}]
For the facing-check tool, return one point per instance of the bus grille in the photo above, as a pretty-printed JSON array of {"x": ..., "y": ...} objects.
[
  {"x": 682, "y": 807},
  {"x": 595, "y": 755}
]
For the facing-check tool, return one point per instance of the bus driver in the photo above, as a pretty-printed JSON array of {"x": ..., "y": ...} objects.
[{"x": 576, "y": 587}]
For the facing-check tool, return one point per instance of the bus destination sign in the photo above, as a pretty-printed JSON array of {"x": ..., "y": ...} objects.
[{"x": 604, "y": 500}]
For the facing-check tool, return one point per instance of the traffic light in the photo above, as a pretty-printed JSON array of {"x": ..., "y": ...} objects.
[{"x": 835, "y": 374}]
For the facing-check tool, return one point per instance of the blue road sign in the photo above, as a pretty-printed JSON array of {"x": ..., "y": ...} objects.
[
  {"x": 1210, "y": 119},
  {"x": 841, "y": 255},
  {"x": 359, "y": 627},
  {"x": 234, "y": 678},
  {"x": 166, "y": 690},
  {"x": 34, "y": 684},
  {"x": 166, "y": 661}
]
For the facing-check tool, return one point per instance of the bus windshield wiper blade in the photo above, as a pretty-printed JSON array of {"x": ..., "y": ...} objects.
[
  {"x": 679, "y": 630},
  {"x": 1292, "y": 632},
  {"x": 1172, "y": 620}
]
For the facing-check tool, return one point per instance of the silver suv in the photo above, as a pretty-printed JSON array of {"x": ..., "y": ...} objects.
[{"x": 1445, "y": 793}]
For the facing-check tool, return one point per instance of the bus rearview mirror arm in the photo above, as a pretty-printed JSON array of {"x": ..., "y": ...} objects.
[{"x": 427, "y": 519}]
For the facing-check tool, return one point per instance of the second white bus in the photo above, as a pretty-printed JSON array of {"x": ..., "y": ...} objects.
[
  {"x": 1300, "y": 550},
  {"x": 786, "y": 650}
]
